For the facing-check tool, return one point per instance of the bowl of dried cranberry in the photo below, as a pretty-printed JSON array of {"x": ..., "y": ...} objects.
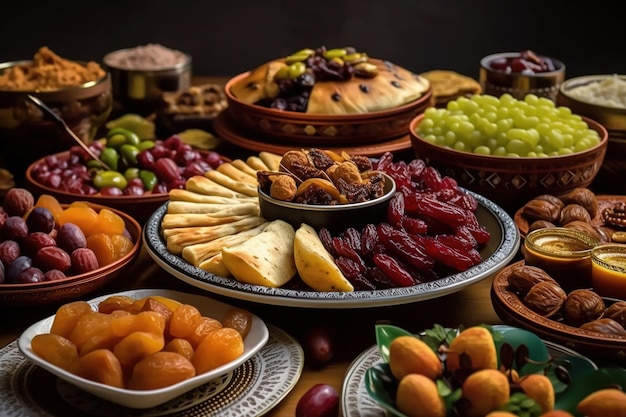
[
  {"x": 521, "y": 73},
  {"x": 52, "y": 253},
  {"x": 137, "y": 188}
]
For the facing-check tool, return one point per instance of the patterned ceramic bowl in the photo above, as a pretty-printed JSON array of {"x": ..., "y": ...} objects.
[{"x": 511, "y": 182}]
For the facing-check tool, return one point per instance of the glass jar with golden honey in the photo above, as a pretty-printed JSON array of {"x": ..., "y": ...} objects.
[
  {"x": 565, "y": 254},
  {"x": 608, "y": 270}
]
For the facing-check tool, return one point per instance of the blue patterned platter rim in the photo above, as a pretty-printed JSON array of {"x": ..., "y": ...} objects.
[
  {"x": 254, "y": 388},
  {"x": 496, "y": 254}
]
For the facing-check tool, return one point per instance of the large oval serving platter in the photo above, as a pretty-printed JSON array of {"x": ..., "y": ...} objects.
[{"x": 496, "y": 254}]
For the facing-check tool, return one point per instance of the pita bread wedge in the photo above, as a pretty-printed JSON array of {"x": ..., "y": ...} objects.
[
  {"x": 178, "y": 238},
  {"x": 203, "y": 185},
  {"x": 236, "y": 174},
  {"x": 171, "y": 221},
  {"x": 265, "y": 259},
  {"x": 178, "y": 194},
  {"x": 215, "y": 210},
  {"x": 236, "y": 186},
  {"x": 196, "y": 254},
  {"x": 272, "y": 160},
  {"x": 215, "y": 265},
  {"x": 257, "y": 163},
  {"x": 243, "y": 166}
]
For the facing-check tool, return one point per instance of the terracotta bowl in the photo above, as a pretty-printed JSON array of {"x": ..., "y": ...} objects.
[
  {"x": 322, "y": 130},
  {"x": 76, "y": 286},
  {"x": 512, "y": 311},
  {"x": 332, "y": 217},
  {"x": 26, "y": 134},
  {"x": 511, "y": 182}
]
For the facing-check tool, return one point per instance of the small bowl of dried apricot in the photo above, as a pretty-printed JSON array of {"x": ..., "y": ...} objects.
[
  {"x": 324, "y": 190},
  {"x": 52, "y": 252},
  {"x": 142, "y": 348}
]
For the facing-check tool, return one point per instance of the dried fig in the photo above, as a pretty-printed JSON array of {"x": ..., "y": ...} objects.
[
  {"x": 541, "y": 210},
  {"x": 524, "y": 277},
  {"x": 605, "y": 326},
  {"x": 617, "y": 312},
  {"x": 545, "y": 298},
  {"x": 583, "y": 197},
  {"x": 573, "y": 212},
  {"x": 582, "y": 306}
]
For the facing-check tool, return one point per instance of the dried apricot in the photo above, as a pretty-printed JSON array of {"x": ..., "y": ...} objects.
[
  {"x": 103, "y": 339},
  {"x": 218, "y": 348},
  {"x": 67, "y": 316},
  {"x": 110, "y": 223},
  {"x": 136, "y": 346},
  {"x": 55, "y": 349},
  {"x": 102, "y": 246},
  {"x": 82, "y": 216},
  {"x": 204, "y": 326},
  {"x": 160, "y": 369},
  {"x": 184, "y": 321},
  {"x": 100, "y": 366},
  {"x": 144, "y": 321},
  {"x": 88, "y": 326},
  {"x": 115, "y": 302},
  {"x": 51, "y": 203},
  {"x": 169, "y": 302},
  {"x": 121, "y": 245},
  {"x": 180, "y": 346}
]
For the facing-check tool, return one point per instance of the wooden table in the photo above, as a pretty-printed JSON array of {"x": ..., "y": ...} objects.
[{"x": 354, "y": 327}]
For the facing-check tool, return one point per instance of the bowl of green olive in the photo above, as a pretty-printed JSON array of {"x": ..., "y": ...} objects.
[{"x": 510, "y": 150}]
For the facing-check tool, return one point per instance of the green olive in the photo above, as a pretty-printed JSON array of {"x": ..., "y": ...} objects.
[
  {"x": 110, "y": 179},
  {"x": 296, "y": 69},
  {"x": 355, "y": 58},
  {"x": 296, "y": 58},
  {"x": 335, "y": 53},
  {"x": 282, "y": 74}
]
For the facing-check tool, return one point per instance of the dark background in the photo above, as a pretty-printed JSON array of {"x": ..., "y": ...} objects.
[{"x": 228, "y": 37}]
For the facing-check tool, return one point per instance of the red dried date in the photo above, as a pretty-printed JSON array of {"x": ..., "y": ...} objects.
[
  {"x": 353, "y": 238},
  {"x": 83, "y": 260},
  {"x": 9, "y": 251},
  {"x": 35, "y": 241},
  {"x": 342, "y": 248},
  {"x": 421, "y": 204},
  {"x": 394, "y": 270},
  {"x": 395, "y": 210},
  {"x": 405, "y": 247},
  {"x": 327, "y": 240},
  {"x": 369, "y": 239},
  {"x": 444, "y": 254},
  {"x": 355, "y": 273},
  {"x": 413, "y": 226},
  {"x": 52, "y": 257}
]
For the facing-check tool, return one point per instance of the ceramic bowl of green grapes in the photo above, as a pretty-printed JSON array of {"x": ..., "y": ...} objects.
[{"x": 510, "y": 150}]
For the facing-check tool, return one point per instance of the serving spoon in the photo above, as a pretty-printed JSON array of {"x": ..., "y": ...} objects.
[{"x": 64, "y": 125}]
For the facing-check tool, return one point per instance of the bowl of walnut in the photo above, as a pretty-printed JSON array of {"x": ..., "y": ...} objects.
[
  {"x": 528, "y": 297},
  {"x": 324, "y": 190}
]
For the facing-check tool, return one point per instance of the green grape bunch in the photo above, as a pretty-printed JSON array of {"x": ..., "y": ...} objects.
[{"x": 507, "y": 127}]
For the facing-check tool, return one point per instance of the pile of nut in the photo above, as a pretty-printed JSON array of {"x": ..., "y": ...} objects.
[
  {"x": 321, "y": 177},
  {"x": 577, "y": 210},
  {"x": 581, "y": 308}
]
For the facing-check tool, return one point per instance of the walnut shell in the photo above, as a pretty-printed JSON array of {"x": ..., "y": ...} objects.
[
  {"x": 582, "y": 306},
  {"x": 523, "y": 277},
  {"x": 545, "y": 298},
  {"x": 583, "y": 197},
  {"x": 605, "y": 326},
  {"x": 573, "y": 212},
  {"x": 537, "y": 209},
  {"x": 617, "y": 312}
]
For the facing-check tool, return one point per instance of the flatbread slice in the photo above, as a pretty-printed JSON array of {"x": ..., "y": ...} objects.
[
  {"x": 236, "y": 174},
  {"x": 265, "y": 259},
  {"x": 178, "y": 194},
  {"x": 203, "y": 185},
  {"x": 257, "y": 163},
  {"x": 243, "y": 166},
  {"x": 237, "y": 186},
  {"x": 215, "y": 210}
]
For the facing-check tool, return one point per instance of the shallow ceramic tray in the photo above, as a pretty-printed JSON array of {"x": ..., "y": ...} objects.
[
  {"x": 254, "y": 341},
  {"x": 496, "y": 254},
  {"x": 355, "y": 400},
  {"x": 511, "y": 310},
  {"x": 604, "y": 201},
  {"x": 251, "y": 389},
  {"x": 239, "y": 136}
]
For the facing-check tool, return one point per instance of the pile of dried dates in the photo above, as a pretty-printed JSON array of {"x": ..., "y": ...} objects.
[
  {"x": 581, "y": 308},
  {"x": 580, "y": 210}
]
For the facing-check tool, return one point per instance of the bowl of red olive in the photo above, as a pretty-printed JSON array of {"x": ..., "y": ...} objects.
[
  {"x": 137, "y": 176},
  {"x": 521, "y": 73}
]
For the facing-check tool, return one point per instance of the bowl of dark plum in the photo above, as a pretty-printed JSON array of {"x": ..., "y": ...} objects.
[
  {"x": 137, "y": 177},
  {"x": 53, "y": 253}
]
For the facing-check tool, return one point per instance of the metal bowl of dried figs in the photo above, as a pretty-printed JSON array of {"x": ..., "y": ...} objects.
[{"x": 528, "y": 297}]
